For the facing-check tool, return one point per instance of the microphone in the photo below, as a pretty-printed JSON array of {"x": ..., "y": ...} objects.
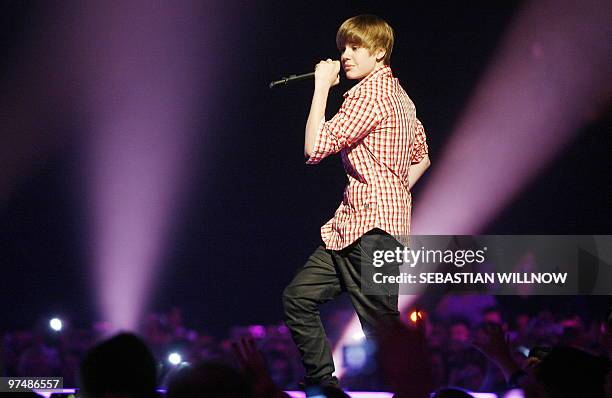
[{"x": 291, "y": 78}]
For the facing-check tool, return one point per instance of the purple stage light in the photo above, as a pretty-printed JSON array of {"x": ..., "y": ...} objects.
[
  {"x": 257, "y": 331},
  {"x": 47, "y": 394},
  {"x": 551, "y": 71},
  {"x": 513, "y": 394},
  {"x": 141, "y": 64},
  {"x": 373, "y": 394},
  {"x": 300, "y": 394}
]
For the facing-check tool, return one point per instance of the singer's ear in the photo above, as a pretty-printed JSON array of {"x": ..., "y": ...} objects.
[{"x": 380, "y": 54}]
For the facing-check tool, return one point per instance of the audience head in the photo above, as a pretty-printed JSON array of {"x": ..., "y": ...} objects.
[
  {"x": 467, "y": 373},
  {"x": 460, "y": 330},
  {"x": 570, "y": 372},
  {"x": 38, "y": 361},
  {"x": 208, "y": 379},
  {"x": 492, "y": 315},
  {"x": 120, "y": 366}
]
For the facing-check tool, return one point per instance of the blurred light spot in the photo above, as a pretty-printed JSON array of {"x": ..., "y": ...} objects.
[
  {"x": 175, "y": 358},
  {"x": 56, "y": 324}
]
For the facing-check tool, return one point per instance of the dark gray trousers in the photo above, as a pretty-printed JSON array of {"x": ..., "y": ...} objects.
[{"x": 326, "y": 274}]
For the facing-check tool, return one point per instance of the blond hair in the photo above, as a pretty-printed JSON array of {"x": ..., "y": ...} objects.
[{"x": 368, "y": 31}]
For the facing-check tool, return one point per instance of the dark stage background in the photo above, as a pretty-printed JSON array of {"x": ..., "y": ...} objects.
[{"x": 252, "y": 212}]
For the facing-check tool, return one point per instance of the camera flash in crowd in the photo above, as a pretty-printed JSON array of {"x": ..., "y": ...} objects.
[
  {"x": 56, "y": 324},
  {"x": 174, "y": 358}
]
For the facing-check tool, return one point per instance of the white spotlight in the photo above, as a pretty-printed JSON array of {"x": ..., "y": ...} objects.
[
  {"x": 56, "y": 324},
  {"x": 175, "y": 358},
  {"x": 358, "y": 335}
]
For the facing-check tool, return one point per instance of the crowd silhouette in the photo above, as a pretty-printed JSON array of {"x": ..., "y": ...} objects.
[{"x": 544, "y": 355}]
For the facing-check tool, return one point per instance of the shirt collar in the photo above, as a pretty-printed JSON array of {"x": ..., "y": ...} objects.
[{"x": 378, "y": 71}]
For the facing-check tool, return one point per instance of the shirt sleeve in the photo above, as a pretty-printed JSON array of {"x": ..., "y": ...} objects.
[
  {"x": 355, "y": 119},
  {"x": 419, "y": 146}
]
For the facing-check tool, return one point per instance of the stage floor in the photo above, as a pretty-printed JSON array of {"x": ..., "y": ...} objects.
[{"x": 353, "y": 394}]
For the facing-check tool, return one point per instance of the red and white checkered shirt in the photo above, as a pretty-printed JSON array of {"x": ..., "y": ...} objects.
[{"x": 378, "y": 135}]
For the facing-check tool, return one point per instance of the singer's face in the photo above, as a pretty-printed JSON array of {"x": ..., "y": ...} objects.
[{"x": 357, "y": 61}]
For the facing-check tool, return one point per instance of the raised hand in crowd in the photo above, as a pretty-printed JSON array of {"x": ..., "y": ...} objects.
[
  {"x": 254, "y": 367},
  {"x": 492, "y": 342}
]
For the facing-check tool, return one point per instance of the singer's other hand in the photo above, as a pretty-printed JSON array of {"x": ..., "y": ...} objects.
[{"x": 327, "y": 73}]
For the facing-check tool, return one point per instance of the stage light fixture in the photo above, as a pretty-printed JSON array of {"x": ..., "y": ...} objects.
[{"x": 416, "y": 315}]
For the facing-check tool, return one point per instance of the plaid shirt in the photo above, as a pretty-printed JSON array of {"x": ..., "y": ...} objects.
[{"x": 378, "y": 136}]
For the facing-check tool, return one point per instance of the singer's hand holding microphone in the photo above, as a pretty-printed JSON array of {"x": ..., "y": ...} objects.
[{"x": 327, "y": 73}]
